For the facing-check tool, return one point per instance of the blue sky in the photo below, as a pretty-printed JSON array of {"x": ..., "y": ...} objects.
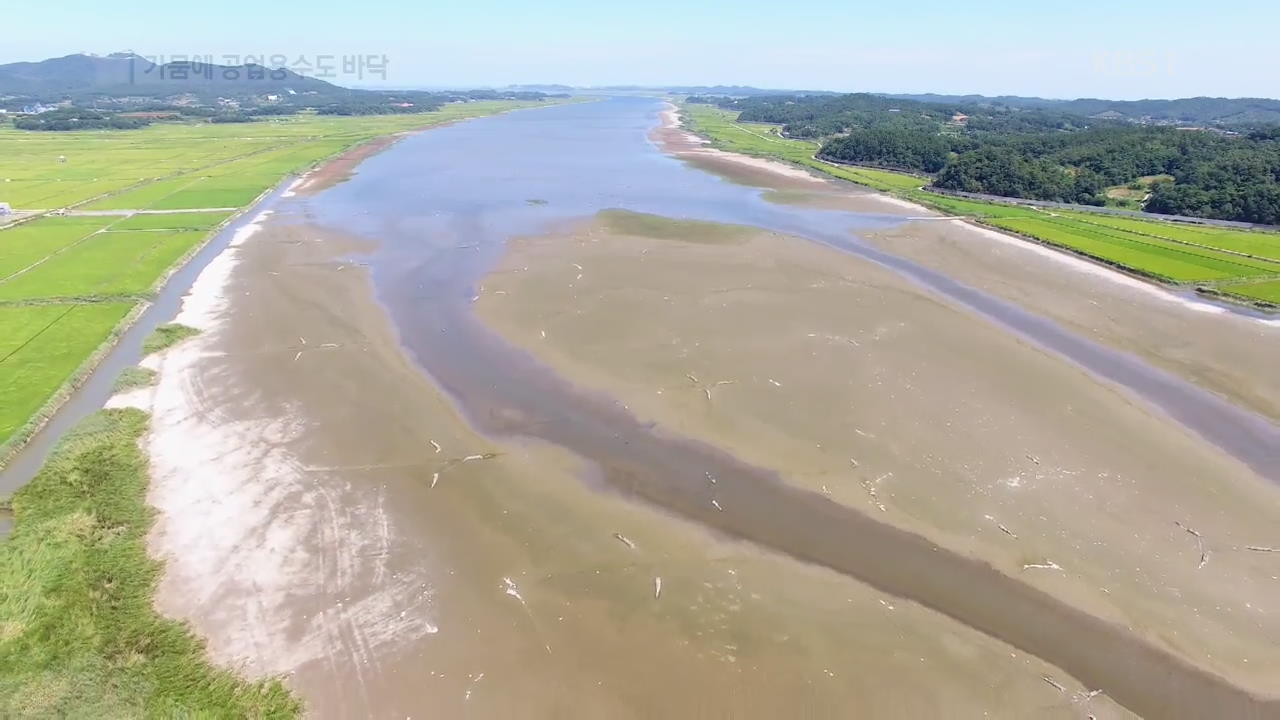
[{"x": 1174, "y": 48}]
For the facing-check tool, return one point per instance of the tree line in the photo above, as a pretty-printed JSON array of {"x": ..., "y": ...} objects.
[
  {"x": 1039, "y": 154},
  {"x": 77, "y": 119}
]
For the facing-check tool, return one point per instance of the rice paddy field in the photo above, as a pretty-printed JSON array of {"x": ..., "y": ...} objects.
[
  {"x": 1239, "y": 263},
  {"x": 137, "y": 203},
  {"x": 43, "y": 345},
  {"x": 1144, "y": 253},
  {"x": 1252, "y": 243},
  {"x": 1268, "y": 292},
  {"x": 186, "y": 165}
]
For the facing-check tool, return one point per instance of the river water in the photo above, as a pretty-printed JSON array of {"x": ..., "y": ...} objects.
[
  {"x": 444, "y": 203},
  {"x": 442, "y": 206}
]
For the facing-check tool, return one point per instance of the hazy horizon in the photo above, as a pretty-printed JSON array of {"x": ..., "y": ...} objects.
[{"x": 1091, "y": 49}]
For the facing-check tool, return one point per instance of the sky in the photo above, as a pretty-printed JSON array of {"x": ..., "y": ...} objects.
[{"x": 1084, "y": 48}]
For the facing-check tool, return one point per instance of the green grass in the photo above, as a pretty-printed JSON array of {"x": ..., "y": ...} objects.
[
  {"x": 1173, "y": 252},
  {"x": 103, "y": 266},
  {"x": 52, "y": 266},
  {"x": 726, "y": 133},
  {"x": 208, "y": 194},
  {"x": 626, "y": 222},
  {"x": 970, "y": 208},
  {"x": 1259, "y": 244},
  {"x": 166, "y": 336},
  {"x": 1149, "y": 255},
  {"x": 79, "y": 636},
  {"x": 144, "y": 196},
  {"x": 1268, "y": 292},
  {"x": 43, "y": 345},
  {"x": 172, "y": 221},
  {"x": 100, "y": 162},
  {"x": 883, "y": 180},
  {"x": 134, "y": 377},
  {"x": 19, "y": 324},
  {"x": 33, "y": 241}
]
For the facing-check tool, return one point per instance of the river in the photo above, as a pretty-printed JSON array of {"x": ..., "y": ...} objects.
[{"x": 432, "y": 218}]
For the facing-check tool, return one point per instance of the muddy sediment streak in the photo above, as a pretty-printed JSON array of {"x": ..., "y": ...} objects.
[
  {"x": 505, "y": 392},
  {"x": 431, "y": 269}
]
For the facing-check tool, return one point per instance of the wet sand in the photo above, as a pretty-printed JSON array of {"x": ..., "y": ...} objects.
[
  {"x": 294, "y": 457},
  {"x": 416, "y": 544},
  {"x": 1225, "y": 352},
  {"x": 341, "y": 167},
  {"x": 786, "y": 183},
  {"x": 798, "y": 358}
]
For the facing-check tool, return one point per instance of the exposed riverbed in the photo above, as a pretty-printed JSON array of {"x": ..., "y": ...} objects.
[{"x": 582, "y": 461}]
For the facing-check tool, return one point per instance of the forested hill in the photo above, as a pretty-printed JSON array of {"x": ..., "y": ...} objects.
[
  {"x": 1041, "y": 153},
  {"x": 123, "y": 90},
  {"x": 82, "y": 76},
  {"x": 1190, "y": 111}
]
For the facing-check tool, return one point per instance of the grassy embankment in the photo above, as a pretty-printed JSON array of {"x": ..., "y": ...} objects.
[
  {"x": 68, "y": 285},
  {"x": 166, "y": 336},
  {"x": 132, "y": 378},
  {"x": 79, "y": 635},
  {"x": 1243, "y": 265}
]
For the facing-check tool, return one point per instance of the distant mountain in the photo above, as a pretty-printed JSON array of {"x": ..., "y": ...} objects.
[
  {"x": 126, "y": 74},
  {"x": 1013, "y": 101},
  {"x": 720, "y": 90},
  {"x": 548, "y": 88},
  {"x": 1191, "y": 111},
  {"x": 738, "y": 90}
]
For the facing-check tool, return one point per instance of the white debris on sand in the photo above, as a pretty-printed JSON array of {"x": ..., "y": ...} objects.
[{"x": 239, "y": 518}]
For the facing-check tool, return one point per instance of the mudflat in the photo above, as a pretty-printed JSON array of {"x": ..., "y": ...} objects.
[
  {"x": 328, "y": 514},
  {"x": 454, "y": 440},
  {"x": 784, "y": 183},
  {"x": 854, "y": 384},
  {"x": 1228, "y": 353}
]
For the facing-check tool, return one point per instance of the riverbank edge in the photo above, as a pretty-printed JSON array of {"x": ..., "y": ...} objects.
[
  {"x": 295, "y": 181},
  {"x": 516, "y": 265},
  {"x": 209, "y": 684},
  {"x": 141, "y": 560},
  {"x": 11, "y": 447},
  {"x": 1208, "y": 295},
  {"x": 80, "y": 532}
]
